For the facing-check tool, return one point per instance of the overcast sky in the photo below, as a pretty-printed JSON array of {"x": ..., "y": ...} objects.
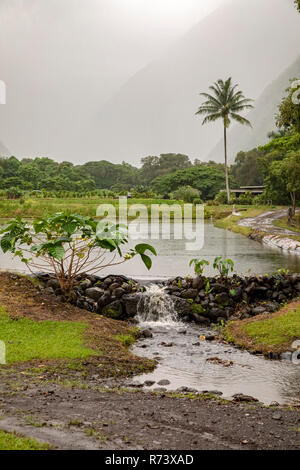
[{"x": 62, "y": 60}]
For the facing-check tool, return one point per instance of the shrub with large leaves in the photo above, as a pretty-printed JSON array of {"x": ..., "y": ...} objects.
[{"x": 69, "y": 244}]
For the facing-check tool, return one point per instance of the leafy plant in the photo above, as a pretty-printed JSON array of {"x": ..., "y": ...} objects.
[
  {"x": 208, "y": 289},
  {"x": 223, "y": 266},
  {"x": 199, "y": 265},
  {"x": 68, "y": 245}
]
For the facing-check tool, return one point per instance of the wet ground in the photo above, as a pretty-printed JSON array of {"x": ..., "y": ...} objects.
[
  {"x": 80, "y": 418},
  {"x": 264, "y": 222}
]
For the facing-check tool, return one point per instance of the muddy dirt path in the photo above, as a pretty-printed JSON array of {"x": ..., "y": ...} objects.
[
  {"x": 88, "y": 419},
  {"x": 264, "y": 222}
]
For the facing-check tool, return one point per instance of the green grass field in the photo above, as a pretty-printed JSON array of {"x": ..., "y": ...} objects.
[
  {"x": 13, "y": 441},
  {"x": 26, "y": 339},
  {"x": 36, "y": 207}
]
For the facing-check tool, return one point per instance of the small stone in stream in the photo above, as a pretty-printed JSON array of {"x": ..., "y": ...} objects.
[
  {"x": 160, "y": 389},
  {"x": 286, "y": 356},
  {"x": 240, "y": 397},
  {"x": 167, "y": 345},
  {"x": 135, "y": 384},
  {"x": 212, "y": 392},
  {"x": 186, "y": 389},
  {"x": 149, "y": 383},
  {"x": 196, "y": 344},
  {"x": 182, "y": 331},
  {"x": 210, "y": 338},
  {"x": 164, "y": 382},
  {"x": 146, "y": 334},
  {"x": 277, "y": 416}
]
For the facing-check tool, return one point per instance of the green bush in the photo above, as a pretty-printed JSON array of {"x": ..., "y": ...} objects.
[{"x": 186, "y": 194}]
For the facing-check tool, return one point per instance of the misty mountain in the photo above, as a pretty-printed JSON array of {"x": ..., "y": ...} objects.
[
  {"x": 154, "y": 112},
  {"x": 4, "y": 152},
  {"x": 261, "y": 117}
]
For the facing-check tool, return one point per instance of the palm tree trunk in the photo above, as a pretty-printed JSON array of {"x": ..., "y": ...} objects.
[{"x": 226, "y": 166}]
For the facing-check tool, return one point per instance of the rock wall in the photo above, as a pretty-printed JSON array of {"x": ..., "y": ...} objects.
[{"x": 200, "y": 300}]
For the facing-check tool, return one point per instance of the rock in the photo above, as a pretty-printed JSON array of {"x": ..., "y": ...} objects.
[
  {"x": 189, "y": 294},
  {"x": 107, "y": 281},
  {"x": 199, "y": 319},
  {"x": 222, "y": 299},
  {"x": 186, "y": 390},
  {"x": 146, "y": 334},
  {"x": 53, "y": 283},
  {"x": 212, "y": 392},
  {"x": 210, "y": 338},
  {"x": 113, "y": 286},
  {"x": 118, "y": 292},
  {"x": 49, "y": 291},
  {"x": 198, "y": 282},
  {"x": 277, "y": 416},
  {"x": 160, "y": 389},
  {"x": 135, "y": 384},
  {"x": 240, "y": 397},
  {"x": 164, "y": 382},
  {"x": 182, "y": 331},
  {"x": 85, "y": 284},
  {"x": 131, "y": 304},
  {"x": 104, "y": 300},
  {"x": 149, "y": 383},
  {"x": 286, "y": 356},
  {"x": 258, "y": 310},
  {"x": 94, "y": 293},
  {"x": 214, "y": 313},
  {"x": 182, "y": 307},
  {"x": 113, "y": 310}
]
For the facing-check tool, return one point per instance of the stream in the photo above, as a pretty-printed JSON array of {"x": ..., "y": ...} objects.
[{"x": 184, "y": 359}]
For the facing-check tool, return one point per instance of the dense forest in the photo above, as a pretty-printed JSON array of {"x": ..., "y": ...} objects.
[{"x": 275, "y": 165}]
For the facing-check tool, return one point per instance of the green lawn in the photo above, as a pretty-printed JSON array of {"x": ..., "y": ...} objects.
[
  {"x": 275, "y": 333},
  {"x": 13, "y": 441},
  {"x": 281, "y": 329},
  {"x": 26, "y": 339}
]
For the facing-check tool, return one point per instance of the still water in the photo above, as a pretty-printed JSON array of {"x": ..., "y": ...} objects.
[{"x": 173, "y": 258}]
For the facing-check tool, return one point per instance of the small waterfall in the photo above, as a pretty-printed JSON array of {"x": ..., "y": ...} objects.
[{"x": 156, "y": 307}]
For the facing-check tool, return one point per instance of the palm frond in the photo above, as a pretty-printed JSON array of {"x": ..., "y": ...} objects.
[{"x": 240, "y": 119}]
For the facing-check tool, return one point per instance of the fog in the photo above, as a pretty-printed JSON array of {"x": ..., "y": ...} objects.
[{"x": 75, "y": 72}]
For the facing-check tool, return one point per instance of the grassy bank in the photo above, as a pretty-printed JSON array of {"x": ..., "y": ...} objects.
[
  {"x": 13, "y": 441},
  {"x": 44, "y": 336},
  {"x": 267, "y": 333},
  {"x": 282, "y": 223},
  {"x": 231, "y": 221}
]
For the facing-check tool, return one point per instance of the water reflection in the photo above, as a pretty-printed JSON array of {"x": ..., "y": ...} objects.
[{"x": 173, "y": 258}]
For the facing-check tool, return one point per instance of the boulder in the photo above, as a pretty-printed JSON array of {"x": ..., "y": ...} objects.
[
  {"x": 198, "y": 282},
  {"x": 94, "y": 293},
  {"x": 131, "y": 302},
  {"x": 85, "y": 284},
  {"x": 113, "y": 310},
  {"x": 182, "y": 307}
]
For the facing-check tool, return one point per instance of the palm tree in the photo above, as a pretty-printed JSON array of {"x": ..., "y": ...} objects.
[{"x": 225, "y": 103}]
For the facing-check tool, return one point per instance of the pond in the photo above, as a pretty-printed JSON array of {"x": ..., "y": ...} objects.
[{"x": 173, "y": 258}]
